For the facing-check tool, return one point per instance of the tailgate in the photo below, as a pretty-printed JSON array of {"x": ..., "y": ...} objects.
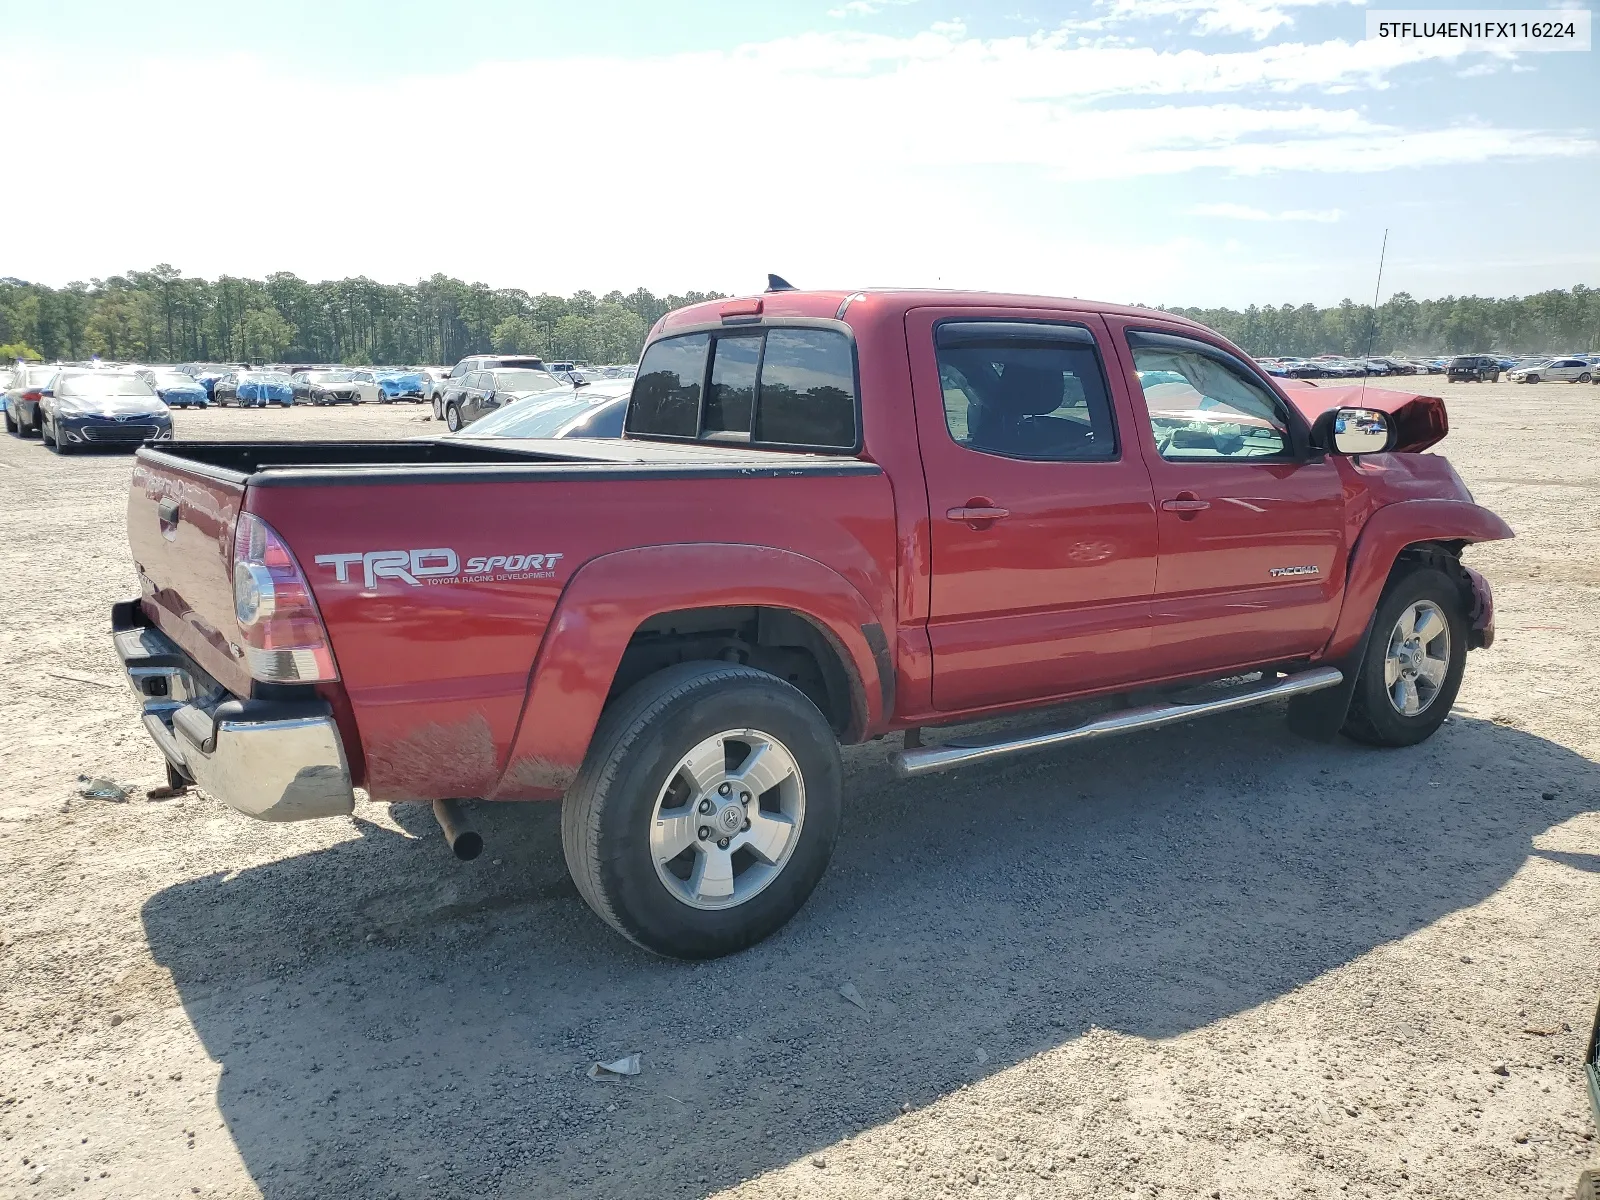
[{"x": 180, "y": 529}]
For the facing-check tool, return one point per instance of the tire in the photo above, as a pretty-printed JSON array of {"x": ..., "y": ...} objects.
[
  {"x": 1588, "y": 1185},
  {"x": 1375, "y": 717},
  {"x": 11, "y": 425},
  {"x": 31, "y": 431},
  {"x": 1531, "y": 379},
  {"x": 636, "y": 764},
  {"x": 1584, "y": 378},
  {"x": 452, "y": 418}
]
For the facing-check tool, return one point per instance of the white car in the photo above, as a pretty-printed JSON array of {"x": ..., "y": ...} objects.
[{"x": 1554, "y": 370}]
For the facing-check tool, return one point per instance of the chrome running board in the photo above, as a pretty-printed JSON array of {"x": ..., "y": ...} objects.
[{"x": 927, "y": 759}]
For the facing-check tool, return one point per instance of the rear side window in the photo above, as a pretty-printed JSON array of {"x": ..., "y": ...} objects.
[
  {"x": 1021, "y": 389},
  {"x": 777, "y": 387}
]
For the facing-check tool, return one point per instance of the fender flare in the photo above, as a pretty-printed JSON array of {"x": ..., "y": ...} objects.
[
  {"x": 609, "y": 597},
  {"x": 1387, "y": 533}
]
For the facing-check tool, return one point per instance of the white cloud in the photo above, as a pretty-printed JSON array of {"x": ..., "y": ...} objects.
[
  {"x": 862, "y": 150},
  {"x": 866, "y": 8},
  {"x": 1243, "y": 212},
  {"x": 1257, "y": 18}
]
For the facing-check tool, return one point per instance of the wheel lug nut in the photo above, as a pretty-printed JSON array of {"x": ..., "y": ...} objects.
[
  {"x": 746, "y": 828},
  {"x": 705, "y": 806},
  {"x": 704, "y": 833},
  {"x": 724, "y": 789},
  {"x": 722, "y": 843},
  {"x": 744, "y": 797}
]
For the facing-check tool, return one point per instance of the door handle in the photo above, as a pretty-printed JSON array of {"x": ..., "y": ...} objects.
[
  {"x": 1186, "y": 502},
  {"x": 975, "y": 514}
]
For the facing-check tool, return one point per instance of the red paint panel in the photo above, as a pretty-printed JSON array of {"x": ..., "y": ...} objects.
[
  {"x": 1389, "y": 531},
  {"x": 437, "y": 674},
  {"x": 611, "y": 596}
]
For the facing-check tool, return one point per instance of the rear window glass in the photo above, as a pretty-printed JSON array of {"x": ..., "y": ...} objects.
[
  {"x": 783, "y": 387},
  {"x": 808, "y": 390},
  {"x": 732, "y": 397},
  {"x": 666, "y": 395},
  {"x": 524, "y": 381}
]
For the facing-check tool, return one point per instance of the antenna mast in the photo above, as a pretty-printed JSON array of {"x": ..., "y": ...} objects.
[{"x": 1372, "y": 330}]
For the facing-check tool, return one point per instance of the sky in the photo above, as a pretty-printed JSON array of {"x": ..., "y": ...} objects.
[{"x": 1178, "y": 152}]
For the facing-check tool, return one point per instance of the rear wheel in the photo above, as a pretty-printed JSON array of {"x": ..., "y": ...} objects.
[
  {"x": 33, "y": 429},
  {"x": 11, "y": 424},
  {"x": 1414, "y": 661},
  {"x": 706, "y": 810},
  {"x": 452, "y": 418},
  {"x": 1584, "y": 378}
]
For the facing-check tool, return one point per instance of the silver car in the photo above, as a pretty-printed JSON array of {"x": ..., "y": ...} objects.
[{"x": 1554, "y": 370}]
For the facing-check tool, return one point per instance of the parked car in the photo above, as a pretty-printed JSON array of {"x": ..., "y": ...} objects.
[
  {"x": 1473, "y": 368},
  {"x": 400, "y": 385},
  {"x": 595, "y": 411},
  {"x": 7, "y": 376},
  {"x": 176, "y": 389},
  {"x": 478, "y": 392},
  {"x": 207, "y": 374},
  {"x": 338, "y": 386},
  {"x": 257, "y": 389},
  {"x": 1555, "y": 370},
  {"x": 675, "y": 631},
  {"x": 478, "y": 362},
  {"x": 87, "y": 409},
  {"x": 29, "y": 385}
]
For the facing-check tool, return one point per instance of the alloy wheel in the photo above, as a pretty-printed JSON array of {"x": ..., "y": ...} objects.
[{"x": 1418, "y": 658}]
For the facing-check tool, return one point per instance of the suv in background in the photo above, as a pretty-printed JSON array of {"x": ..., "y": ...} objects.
[
  {"x": 478, "y": 362},
  {"x": 1476, "y": 368}
]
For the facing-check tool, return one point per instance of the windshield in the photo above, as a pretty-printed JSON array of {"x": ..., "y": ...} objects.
[
  {"x": 525, "y": 381},
  {"x": 175, "y": 379},
  {"x": 332, "y": 376},
  {"x": 532, "y": 418},
  {"x": 102, "y": 384},
  {"x": 265, "y": 377}
]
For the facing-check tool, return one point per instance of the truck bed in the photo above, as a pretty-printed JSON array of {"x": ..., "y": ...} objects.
[{"x": 443, "y": 460}]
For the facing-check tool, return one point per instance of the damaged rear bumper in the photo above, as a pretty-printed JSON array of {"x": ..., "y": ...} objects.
[{"x": 274, "y": 760}]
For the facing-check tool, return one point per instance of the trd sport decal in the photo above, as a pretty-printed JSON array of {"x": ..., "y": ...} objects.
[{"x": 437, "y": 565}]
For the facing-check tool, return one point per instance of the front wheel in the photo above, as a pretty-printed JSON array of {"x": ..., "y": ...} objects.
[
  {"x": 1531, "y": 379},
  {"x": 706, "y": 810},
  {"x": 452, "y": 418},
  {"x": 1413, "y": 664}
]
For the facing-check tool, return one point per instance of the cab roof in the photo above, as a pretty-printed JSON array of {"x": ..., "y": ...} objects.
[{"x": 839, "y": 304}]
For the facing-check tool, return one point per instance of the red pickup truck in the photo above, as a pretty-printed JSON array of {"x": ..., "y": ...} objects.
[{"x": 833, "y": 516}]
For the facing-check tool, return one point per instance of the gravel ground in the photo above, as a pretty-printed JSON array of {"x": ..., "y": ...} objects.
[{"x": 1210, "y": 961}]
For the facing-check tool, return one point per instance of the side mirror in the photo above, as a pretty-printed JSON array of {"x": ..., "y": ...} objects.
[{"x": 1353, "y": 431}]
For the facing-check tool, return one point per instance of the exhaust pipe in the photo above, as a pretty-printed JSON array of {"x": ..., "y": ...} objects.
[{"x": 464, "y": 841}]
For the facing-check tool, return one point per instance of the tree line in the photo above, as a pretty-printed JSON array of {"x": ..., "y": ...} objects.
[
  {"x": 161, "y": 315},
  {"x": 1551, "y": 322}
]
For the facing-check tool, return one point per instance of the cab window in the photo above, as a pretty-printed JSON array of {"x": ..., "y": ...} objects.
[
  {"x": 1202, "y": 406},
  {"x": 1024, "y": 389}
]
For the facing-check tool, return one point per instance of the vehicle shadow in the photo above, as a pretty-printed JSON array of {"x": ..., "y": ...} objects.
[{"x": 393, "y": 1023}]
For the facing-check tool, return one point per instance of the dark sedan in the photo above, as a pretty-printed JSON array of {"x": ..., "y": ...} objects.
[
  {"x": 326, "y": 387},
  {"x": 85, "y": 409},
  {"x": 479, "y": 392},
  {"x": 29, "y": 386}
]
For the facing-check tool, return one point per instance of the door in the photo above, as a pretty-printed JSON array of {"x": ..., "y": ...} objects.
[
  {"x": 1251, "y": 527},
  {"x": 1043, "y": 548}
]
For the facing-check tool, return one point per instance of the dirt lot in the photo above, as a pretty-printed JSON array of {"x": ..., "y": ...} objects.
[{"x": 1213, "y": 960}]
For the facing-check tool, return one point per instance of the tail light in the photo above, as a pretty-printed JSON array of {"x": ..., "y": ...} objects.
[
  {"x": 284, "y": 639},
  {"x": 34, "y": 396}
]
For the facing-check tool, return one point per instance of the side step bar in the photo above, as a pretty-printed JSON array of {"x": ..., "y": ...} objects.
[{"x": 927, "y": 759}]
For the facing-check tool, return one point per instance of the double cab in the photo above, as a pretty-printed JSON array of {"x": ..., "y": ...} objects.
[{"x": 833, "y": 516}]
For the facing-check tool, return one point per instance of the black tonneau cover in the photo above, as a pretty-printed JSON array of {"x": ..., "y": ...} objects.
[{"x": 461, "y": 459}]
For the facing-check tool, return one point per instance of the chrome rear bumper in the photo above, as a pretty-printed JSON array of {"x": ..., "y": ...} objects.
[{"x": 271, "y": 760}]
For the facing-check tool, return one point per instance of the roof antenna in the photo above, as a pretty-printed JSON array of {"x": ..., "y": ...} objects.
[
  {"x": 1372, "y": 330},
  {"x": 777, "y": 283}
]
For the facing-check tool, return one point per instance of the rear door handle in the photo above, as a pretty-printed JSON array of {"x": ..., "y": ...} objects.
[
  {"x": 978, "y": 512},
  {"x": 1186, "y": 504}
]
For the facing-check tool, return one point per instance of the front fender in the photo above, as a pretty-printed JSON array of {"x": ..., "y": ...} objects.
[
  {"x": 1386, "y": 533},
  {"x": 611, "y": 596}
]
